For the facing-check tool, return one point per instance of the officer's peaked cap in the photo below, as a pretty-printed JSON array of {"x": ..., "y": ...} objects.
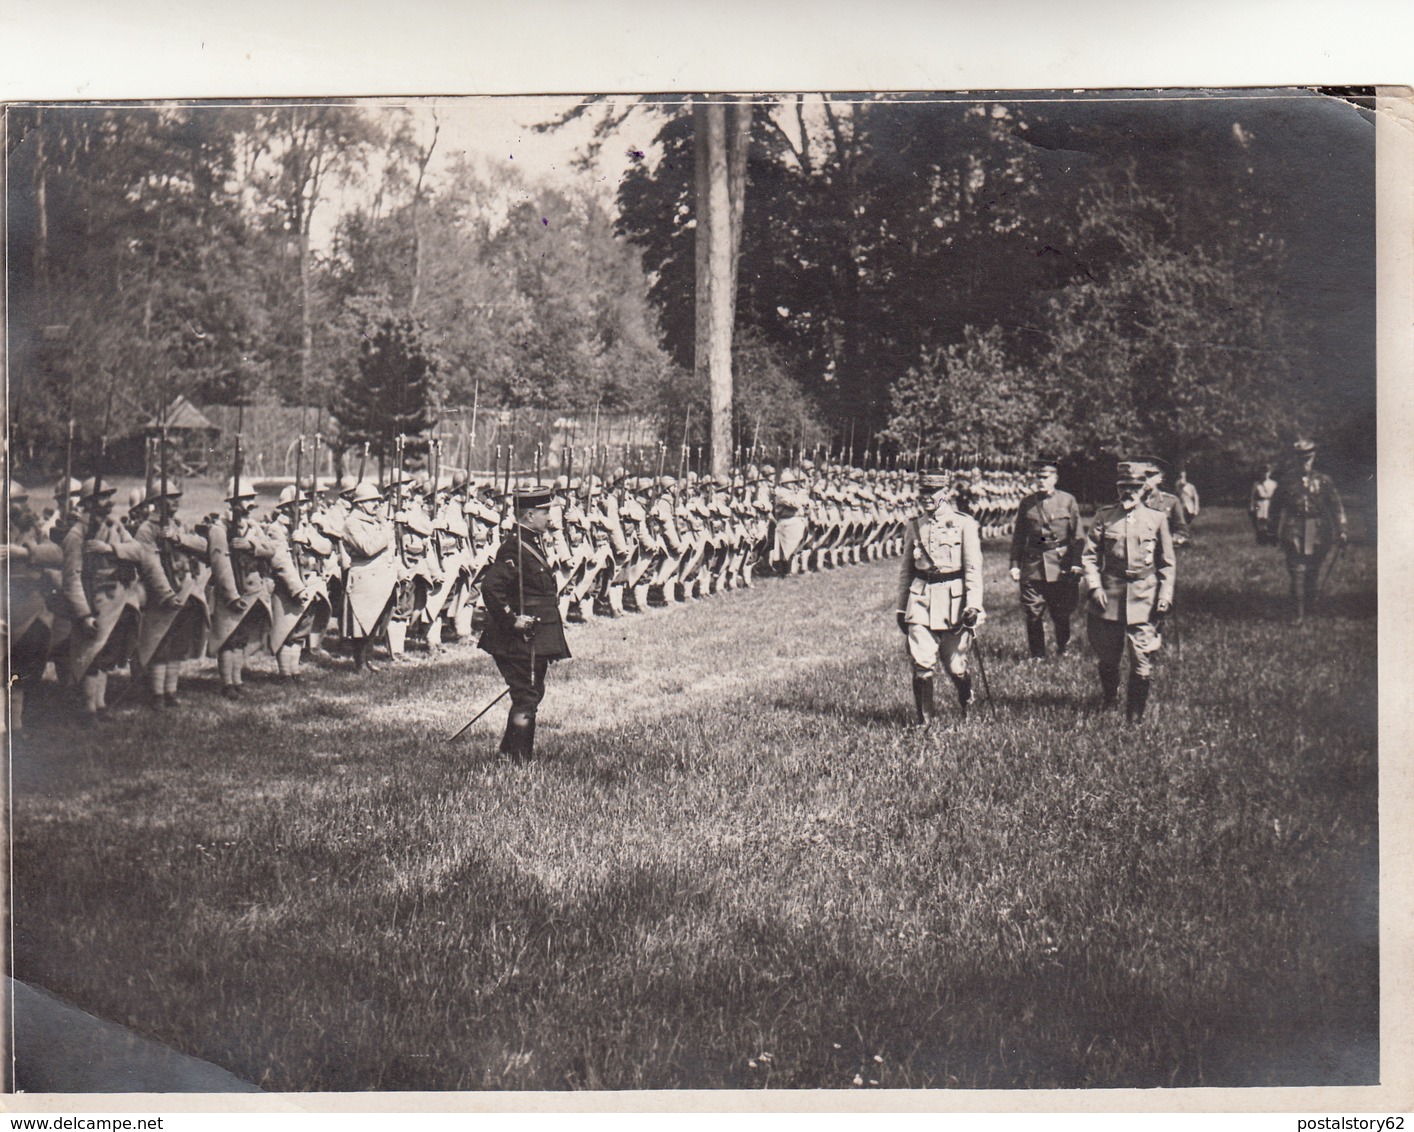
[
  {"x": 1131, "y": 471},
  {"x": 936, "y": 480},
  {"x": 532, "y": 498},
  {"x": 1044, "y": 465}
]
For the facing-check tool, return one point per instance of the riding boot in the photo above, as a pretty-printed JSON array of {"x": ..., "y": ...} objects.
[
  {"x": 1062, "y": 626},
  {"x": 528, "y": 740},
  {"x": 923, "y": 699},
  {"x": 1138, "y": 697},
  {"x": 1109, "y": 687},
  {"x": 963, "y": 684},
  {"x": 515, "y": 743},
  {"x": 1036, "y": 638}
]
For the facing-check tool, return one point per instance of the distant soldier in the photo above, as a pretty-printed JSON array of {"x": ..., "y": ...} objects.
[
  {"x": 99, "y": 585},
  {"x": 940, "y": 592},
  {"x": 172, "y": 631},
  {"x": 1045, "y": 560},
  {"x": 27, "y": 627},
  {"x": 1309, "y": 519},
  {"x": 239, "y": 599},
  {"x": 1187, "y": 495},
  {"x": 299, "y": 601},
  {"x": 370, "y": 583},
  {"x": 523, "y": 628},
  {"x": 1259, "y": 507},
  {"x": 1157, "y": 499},
  {"x": 1129, "y": 574}
]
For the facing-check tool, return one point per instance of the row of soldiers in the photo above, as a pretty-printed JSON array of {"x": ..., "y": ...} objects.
[{"x": 92, "y": 591}]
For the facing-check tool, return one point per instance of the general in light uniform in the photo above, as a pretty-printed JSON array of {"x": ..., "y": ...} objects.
[{"x": 940, "y": 592}]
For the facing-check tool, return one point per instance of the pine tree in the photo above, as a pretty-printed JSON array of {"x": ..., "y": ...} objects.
[{"x": 395, "y": 391}]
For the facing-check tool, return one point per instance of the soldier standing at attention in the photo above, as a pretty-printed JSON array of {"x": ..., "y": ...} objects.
[
  {"x": 1308, "y": 518},
  {"x": 523, "y": 628},
  {"x": 1045, "y": 560},
  {"x": 1129, "y": 573},
  {"x": 940, "y": 592}
]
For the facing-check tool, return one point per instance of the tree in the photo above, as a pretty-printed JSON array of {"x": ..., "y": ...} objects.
[{"x": 396, "y": 388}]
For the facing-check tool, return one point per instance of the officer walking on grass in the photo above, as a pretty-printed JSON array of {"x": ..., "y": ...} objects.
[
  {"x": 1045, "y": 560},
  {"x": 523, "y": 628},
  {"x": 1309, "y": 519},
  {"x": 1128, "y": 563},
  {"x": 940, "y": 592}
]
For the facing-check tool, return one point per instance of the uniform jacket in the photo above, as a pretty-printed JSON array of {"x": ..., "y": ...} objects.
[
  {"x": 184, "y": 566},
  {"x": 1129, "y": 555},
  {"x": 372, "y": 571},
  {"x": 237, "y": 574},
  {"x": 101, "y": 586},
  {"x": 941, "y": 572},
  {"x": 1168, "y": 504},
  {"x": 521, "y": 580},
  {"x": 1308, "y": 513},
  {"x": 1047, "y": 539}
]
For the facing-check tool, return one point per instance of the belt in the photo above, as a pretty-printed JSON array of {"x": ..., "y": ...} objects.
[
  {"x": 938, "y": 575},
  {"x": 1130, "y": 575}
]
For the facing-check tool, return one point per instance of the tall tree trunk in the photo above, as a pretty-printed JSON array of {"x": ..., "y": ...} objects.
[{"x": 719, "y": 144}]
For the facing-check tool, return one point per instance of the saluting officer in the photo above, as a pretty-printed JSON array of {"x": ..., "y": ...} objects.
[
  {"x": 1129, "y": 573},
  {"x": 1045, "y": 559},
  {"x": 523, "y": 628},
  {"x": 940, "y": 591},
  {"x": 1309, "y": 518}
]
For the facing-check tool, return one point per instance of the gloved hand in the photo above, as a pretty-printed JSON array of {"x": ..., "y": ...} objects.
[
  {"x": 524, "y": 622},
  {"x": 973, "y": 617}
]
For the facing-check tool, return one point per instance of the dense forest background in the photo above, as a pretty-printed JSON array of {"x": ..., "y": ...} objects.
[{"x": 1010, "y": 275}]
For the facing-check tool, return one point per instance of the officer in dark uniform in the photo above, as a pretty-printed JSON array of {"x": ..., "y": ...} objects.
[
  {"x": 1156, "y": 498},
  {"x": 1045, "y": 559},
  {"x": 1308, "y": 518},
  {"x": 523, "y": 628}
]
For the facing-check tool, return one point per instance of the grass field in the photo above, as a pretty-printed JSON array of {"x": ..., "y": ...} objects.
[{"x": 733, "y": 865}]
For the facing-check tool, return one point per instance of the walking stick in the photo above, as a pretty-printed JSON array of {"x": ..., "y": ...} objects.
[
  {"x": 982, "y": 671},
  {"x": 464, "y": 727},
  {"x": 1330, "y": 569}
]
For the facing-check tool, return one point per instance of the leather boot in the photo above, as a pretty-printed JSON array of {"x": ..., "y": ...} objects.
[
  {"x": 519, "y": 736},
  {"x": 963, "y": 684},
  {"x": 1036, "y": 638},
  {"x": 1062, "y": 635},
  {"x": 1109, "y": 687},
  {"x": 1138, "y": 698},
  {"x": 923, "y": 699}
]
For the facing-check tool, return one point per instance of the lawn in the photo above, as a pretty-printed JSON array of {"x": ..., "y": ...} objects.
[{"x": 733, "y": 865}]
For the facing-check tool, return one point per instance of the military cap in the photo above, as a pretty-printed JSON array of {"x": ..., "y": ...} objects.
[
  {"x": 364, "y": 492},
  {"x": 939, "y": 479},
  {"x": 1040, "y": 467},
  {"x": 532, "y": 498},
  {"x": 1303, "y": 446},
  {"x": 1132, "y": 471},
  {"x": 1149, "y": 464}
]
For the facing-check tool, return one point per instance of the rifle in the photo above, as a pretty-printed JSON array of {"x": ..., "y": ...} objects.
[
  {"x": 362, "y": 461},
  {"x": 164, "y": 549},
  {"x": 66, "y": 503},
  {"x": 95, "y": 521}
]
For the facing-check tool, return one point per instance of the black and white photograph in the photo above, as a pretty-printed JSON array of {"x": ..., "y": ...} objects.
[{"x": 821, "y": 590}]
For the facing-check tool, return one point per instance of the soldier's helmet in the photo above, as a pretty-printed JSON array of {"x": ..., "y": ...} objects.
[
  {"x": 308, "y": 484},
  {"x": 89, "y": 490},
  {"x": 136, "y": 497},
  {"x": 365, "y": 492},
  {"x": 562, "y": 483},
  {"x": 348, "y": 484},
  {"x": 459, "y": 479},
  {"x": 67, "y": 488},
  {"x": 17, "y": 491},
  {"x": 240, "y": 489},
  {"x": 288, "y": 495},
  {"x": 155, "y": 492}
]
